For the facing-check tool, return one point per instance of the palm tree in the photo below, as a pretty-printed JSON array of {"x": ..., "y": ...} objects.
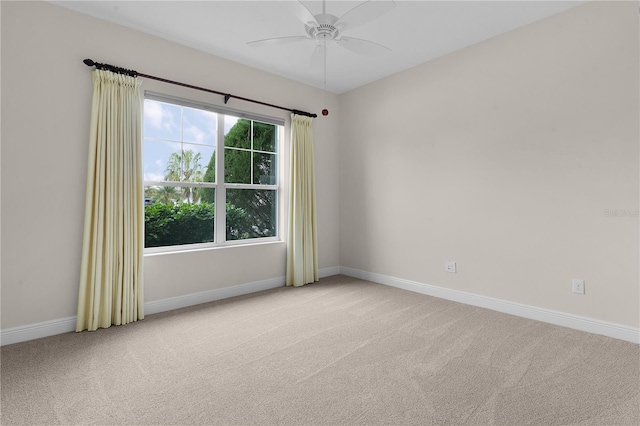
[
  {"x": 173, "y": 172},
  {"x": 192, "y": 169},
  {"x": 164, "y": 194},
  {"x": 185, "y": 168}
]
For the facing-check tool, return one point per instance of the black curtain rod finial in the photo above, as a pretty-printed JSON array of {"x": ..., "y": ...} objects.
[{"x": 112, "y": 68}]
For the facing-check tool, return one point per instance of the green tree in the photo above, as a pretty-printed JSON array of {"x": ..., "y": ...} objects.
[
  {"x": 185, "y": 168},
  {"x": 208, "y": 195}
]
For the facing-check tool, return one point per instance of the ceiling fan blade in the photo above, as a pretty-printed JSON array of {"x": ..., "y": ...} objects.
[
  {"x": 276, "y": 41},
  {"x": 363, "y": 47},
  {"x": 303, "y": 13},
  {"x": 365, "y": 12}
]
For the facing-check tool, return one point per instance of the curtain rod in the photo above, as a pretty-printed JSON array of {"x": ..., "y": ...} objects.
[{"x": 227, "y": 96}]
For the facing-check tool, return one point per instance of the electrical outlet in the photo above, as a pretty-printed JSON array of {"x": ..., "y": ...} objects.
[
  {"x": 450, "y": 267},
  {"x": 577, "y": 286}
]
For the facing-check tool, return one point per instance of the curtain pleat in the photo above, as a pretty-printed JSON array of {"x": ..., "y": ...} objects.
[
  {"x": 302, "y": 253},
  {"x": 110, "y": 290}
]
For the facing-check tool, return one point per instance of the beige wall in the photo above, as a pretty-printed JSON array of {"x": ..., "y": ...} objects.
[
  {"x": 505, "y": 157},
  {"x": 46, "y": 97}
]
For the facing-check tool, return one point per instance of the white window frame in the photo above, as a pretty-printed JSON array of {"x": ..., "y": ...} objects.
[{"x": 220, "y": 228}]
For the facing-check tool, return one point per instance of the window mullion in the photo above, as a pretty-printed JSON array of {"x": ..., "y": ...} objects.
[
  {"x": 251, "y": 164},
  {"x": 221, "y": 195},
  {"x": 181, "y": 143}
]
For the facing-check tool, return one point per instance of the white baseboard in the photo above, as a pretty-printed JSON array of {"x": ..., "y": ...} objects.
[
  {"x": 617, "y": 331},
  {"x": 66, "y": 325},
  {"x": 327, "y": 272},
  {"x": 576, "y": 322},
  {"x": 37, "y": 330},
  {"x": 192, "y": 299}
]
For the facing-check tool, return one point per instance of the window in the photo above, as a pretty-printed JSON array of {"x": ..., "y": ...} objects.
[{"x": 198, "y": 158}]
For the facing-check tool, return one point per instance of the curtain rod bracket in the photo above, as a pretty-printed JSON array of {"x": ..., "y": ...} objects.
[{"x": 226, "y": 98}]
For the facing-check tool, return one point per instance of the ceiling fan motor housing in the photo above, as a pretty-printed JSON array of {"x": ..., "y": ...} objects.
[{"x": 325, "y": 27}]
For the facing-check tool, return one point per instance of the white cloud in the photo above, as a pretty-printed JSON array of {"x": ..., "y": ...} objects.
[
  {"x": 153, "y": 114},
  {"x": 153, "y": 177},
  {"x": 193, "y": 134},
  {"x": 157, "y": 116}
]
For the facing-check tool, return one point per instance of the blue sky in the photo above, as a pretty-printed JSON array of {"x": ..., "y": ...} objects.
[{"x": 169, "y": 128}]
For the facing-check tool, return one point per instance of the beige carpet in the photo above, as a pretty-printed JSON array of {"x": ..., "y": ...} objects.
[{"x": 339, "y": 352}]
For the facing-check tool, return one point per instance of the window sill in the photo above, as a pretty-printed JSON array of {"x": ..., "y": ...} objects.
[{"x": 160, "y": 251}]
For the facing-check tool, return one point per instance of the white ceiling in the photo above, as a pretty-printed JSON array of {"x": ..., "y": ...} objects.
[{"x": 415, "y": 31}]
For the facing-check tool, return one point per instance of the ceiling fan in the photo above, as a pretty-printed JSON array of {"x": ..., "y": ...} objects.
[{"x": 324, "y": 28}]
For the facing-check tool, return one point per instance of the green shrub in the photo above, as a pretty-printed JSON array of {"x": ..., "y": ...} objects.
[
  {"x": 185, "y": 223},
  {"x": 174, "y": 224}
]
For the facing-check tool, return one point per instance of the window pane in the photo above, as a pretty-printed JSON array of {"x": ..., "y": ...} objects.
[
  {"x": 251, "y": 213},
  {"x": 229, "y": 122},
  {"x": 175, "y": 194},
  {"x": 170, "y": 221},
  {"x": 264, "y": 136},
  {"x": 195, "y": 162},
  {"x": 157, "y": 156},
  {"x": 162, "y": 121},
  {"x": 237, "y": 166},
  {"x": 161, "y": 195},
  {"x": 188, "y": 164},
  {"x": 210, "y": 170},
  {"x": 239, "y": 136},
  {"x": 264, "y": 168},
  {"x": 199, "y": 126}
]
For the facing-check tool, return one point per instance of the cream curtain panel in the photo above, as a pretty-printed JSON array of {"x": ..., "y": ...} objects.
[
  {"x": 302, "y": 251},
  {"x": 111, "y": 269}
]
